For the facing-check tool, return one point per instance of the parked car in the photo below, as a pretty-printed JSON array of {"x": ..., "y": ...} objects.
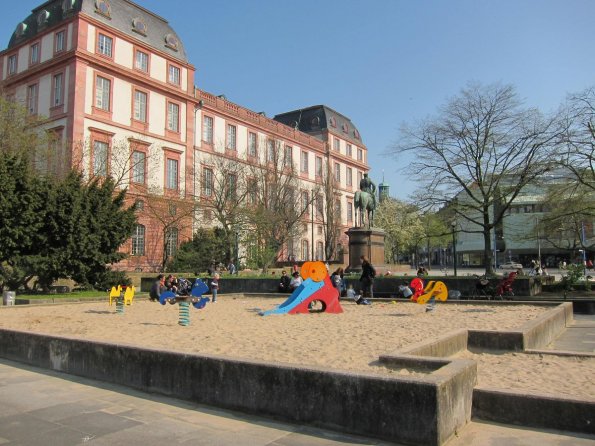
[{"x": 511, "y": 265}]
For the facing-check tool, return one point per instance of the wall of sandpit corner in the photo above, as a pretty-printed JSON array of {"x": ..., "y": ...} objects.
[
  {"x": 540, "y": 411},
  {"x": 419, "y": 411},
  {"x": 534, "y": 334}
]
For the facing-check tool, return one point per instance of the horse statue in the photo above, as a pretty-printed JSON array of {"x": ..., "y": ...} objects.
[{"x": 365, "y": 204}]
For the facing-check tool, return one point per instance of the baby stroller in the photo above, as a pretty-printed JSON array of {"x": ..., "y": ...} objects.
[
  {"x": 483, "y": 289},
  {"x": 504, "y": 288},
  {"x": 184, "y": 287}
]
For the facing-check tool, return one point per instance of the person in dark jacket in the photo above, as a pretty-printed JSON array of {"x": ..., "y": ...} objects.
[
  {"x": 157, "y": 288},
  {"x": 366, "y": 280},
  {"x": 284, "y": 283}
]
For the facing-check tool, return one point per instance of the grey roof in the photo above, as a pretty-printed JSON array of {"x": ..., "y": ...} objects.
[
  {"x": 121, "y": 16},
  {"x": 317, "y": 118}
]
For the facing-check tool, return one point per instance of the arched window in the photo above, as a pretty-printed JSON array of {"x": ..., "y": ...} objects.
[
  {"x": 305, "y": 250},
  {"x": 138, "y": 241},
  {"x": 319, "y": 251},
  {"x": 171, "y": 242}
]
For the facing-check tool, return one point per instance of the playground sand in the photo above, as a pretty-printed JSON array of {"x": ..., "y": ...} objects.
[{"x": 350, "y": 341}]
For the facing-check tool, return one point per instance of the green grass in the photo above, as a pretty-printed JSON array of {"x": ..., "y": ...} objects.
[{"x": 74, "y": 295}]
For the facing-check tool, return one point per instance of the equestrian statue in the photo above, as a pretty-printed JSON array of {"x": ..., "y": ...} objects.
[{"x": 365, "y": 202}]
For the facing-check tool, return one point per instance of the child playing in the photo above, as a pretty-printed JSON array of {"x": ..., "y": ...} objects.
[{"x": 215, "y": 286}]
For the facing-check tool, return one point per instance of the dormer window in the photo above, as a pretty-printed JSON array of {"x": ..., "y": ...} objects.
[
  {"x": 139, "y": 26},
  {"x": 21, "y": 28},
  {"x": 68, "y": 5},
  {"x": 171, "y": 42},
  {"x": 333, "y": 122},
  {"x": 356, "y": 134},
  {"x": 345, "y": 128},
  {"x": 42, "y": 17},
  {"x": 103, "y": 7}
]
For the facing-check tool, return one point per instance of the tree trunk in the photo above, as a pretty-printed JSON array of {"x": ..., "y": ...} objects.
[{"x": 489, "y": 259}]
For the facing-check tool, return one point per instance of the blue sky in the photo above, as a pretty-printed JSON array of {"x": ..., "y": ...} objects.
[{"x": 379, "y": 62}]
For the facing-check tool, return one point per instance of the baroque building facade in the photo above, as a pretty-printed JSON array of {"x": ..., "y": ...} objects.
[{"x": 112, "y": 81}]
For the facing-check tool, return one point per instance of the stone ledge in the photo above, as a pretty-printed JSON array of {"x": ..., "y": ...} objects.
[
  {"x": 540, "y": 411},
  {"x": 365, "y": 404}
]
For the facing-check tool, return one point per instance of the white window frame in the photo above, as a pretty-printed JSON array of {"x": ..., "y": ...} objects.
[
  {"x": 105, "y": 45},
  {"x": 172, "y": 172},
  {"x": 140, "y": 105}
]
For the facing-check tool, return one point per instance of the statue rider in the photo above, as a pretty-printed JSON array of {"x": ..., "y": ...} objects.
[{"x": 367, "y": 185}]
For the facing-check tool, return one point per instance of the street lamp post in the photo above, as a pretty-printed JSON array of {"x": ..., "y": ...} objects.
[{"x": 454, "y": 247}]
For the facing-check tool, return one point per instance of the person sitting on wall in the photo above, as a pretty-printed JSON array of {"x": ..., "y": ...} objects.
[
  {"x": 296, "y": 281},
  {"x": 157, "y": 288},
  {"x": 284, "y": 283}
]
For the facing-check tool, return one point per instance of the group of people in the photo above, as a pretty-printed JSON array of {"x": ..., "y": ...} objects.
[
  {"x": 286, "y": 284},
  {"x": 179, "y": 286}
]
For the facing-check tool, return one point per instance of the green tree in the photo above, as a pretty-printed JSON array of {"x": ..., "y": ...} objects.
[
  {"x": 196, "y": 255},
  {"x": 403, "y": 226}
]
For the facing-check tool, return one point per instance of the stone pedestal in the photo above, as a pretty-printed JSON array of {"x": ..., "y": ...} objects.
[{"x": 369, "y": 243}]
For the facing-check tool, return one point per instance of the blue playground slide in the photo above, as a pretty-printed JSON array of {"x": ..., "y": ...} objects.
[{"x": 301, "y": 293}]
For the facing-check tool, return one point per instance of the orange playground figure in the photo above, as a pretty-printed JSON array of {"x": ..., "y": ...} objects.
[{"x": 316, "y": 291}]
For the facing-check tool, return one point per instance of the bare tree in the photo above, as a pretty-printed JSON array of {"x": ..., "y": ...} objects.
[
  {"x": 478, "y": 154},
  {"x": 329, "y": 211},
  {"x": 224, "y": 189},
  {"x": 579, "y": 155},
  {"x": 273, "y": 208}
]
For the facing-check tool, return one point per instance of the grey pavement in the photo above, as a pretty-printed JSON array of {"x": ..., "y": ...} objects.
[
  {"x": 578, "y": 337},
  {"x": 42, "y": 407}
]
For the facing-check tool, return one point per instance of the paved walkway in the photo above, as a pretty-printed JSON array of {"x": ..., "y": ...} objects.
[
  {"x": 41, "y": 407},
  {"x": 579, "y": 337}
]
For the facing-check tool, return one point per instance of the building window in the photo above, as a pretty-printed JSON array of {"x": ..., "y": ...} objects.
[
  {"x": 100, "y": 154},
  {"x": 270, "y": 151},
  {"x": 232, "y": 186},
  {"x": 305, "y": 250},
  {"x": 231, "y": 137},
  {"x": 207, "y": 129},
  {"x": 349, "y": 211},
  {"x": 140, "y": 106},
  {"x": 207, "y": 182},
  {"x": 360, "y": 155},
  {"x": 305, "y": 201},
  {"x": 171, "y": 241},
  {"x": 141, "y": 61},
  {"x": 173, "y": 75},
  {"x": 288, "y": 156},
  {"x": 59, "y": 40},
  {"x": 348, "y": 176},
  {"x": 12, "y": 64},
  {"x": 105, "y": 45},
  {"x": 252, "y": 150},
  {"x": 319, "y": 205},
  {"x": 58, "y": 83},
  {"x": 138, "y": 241},
  {"x": 318, "y": 166},
  {"x": 32, "y": 94},
  {"x": 337, "y": 172},
  {"x": 102, "y": 93},
  {"x": 252, "y": 194},
  {"x": 360, "y": 175},
  {"x": 173, "y": 117},
  {"x": 338, "y": 208},
  {"x": 304, "y": 162},
  {"x": 171, "y": 174},
  {"x": 139, "y": 160},
  {"x": 319, "y": 251},
  {"x": 336, "y": 145},
  {"x": 34, "y": 53},
  {"x": 348, "y": 150},
  {"x": 139, "y": 205}
]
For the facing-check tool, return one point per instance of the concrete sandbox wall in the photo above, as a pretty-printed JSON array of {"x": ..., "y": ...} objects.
[{"x": 424, "y": 410}]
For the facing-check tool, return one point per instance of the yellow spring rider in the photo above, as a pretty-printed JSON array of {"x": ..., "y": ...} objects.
[{"x": 434, "y": 289}]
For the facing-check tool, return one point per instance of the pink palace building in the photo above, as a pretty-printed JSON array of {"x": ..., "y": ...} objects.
[{"x": 112, "y": 81}]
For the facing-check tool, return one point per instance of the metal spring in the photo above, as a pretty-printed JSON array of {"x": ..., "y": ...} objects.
[
  {"x": 184, "y": 319},
  {"x": 120, "y": 306}
]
